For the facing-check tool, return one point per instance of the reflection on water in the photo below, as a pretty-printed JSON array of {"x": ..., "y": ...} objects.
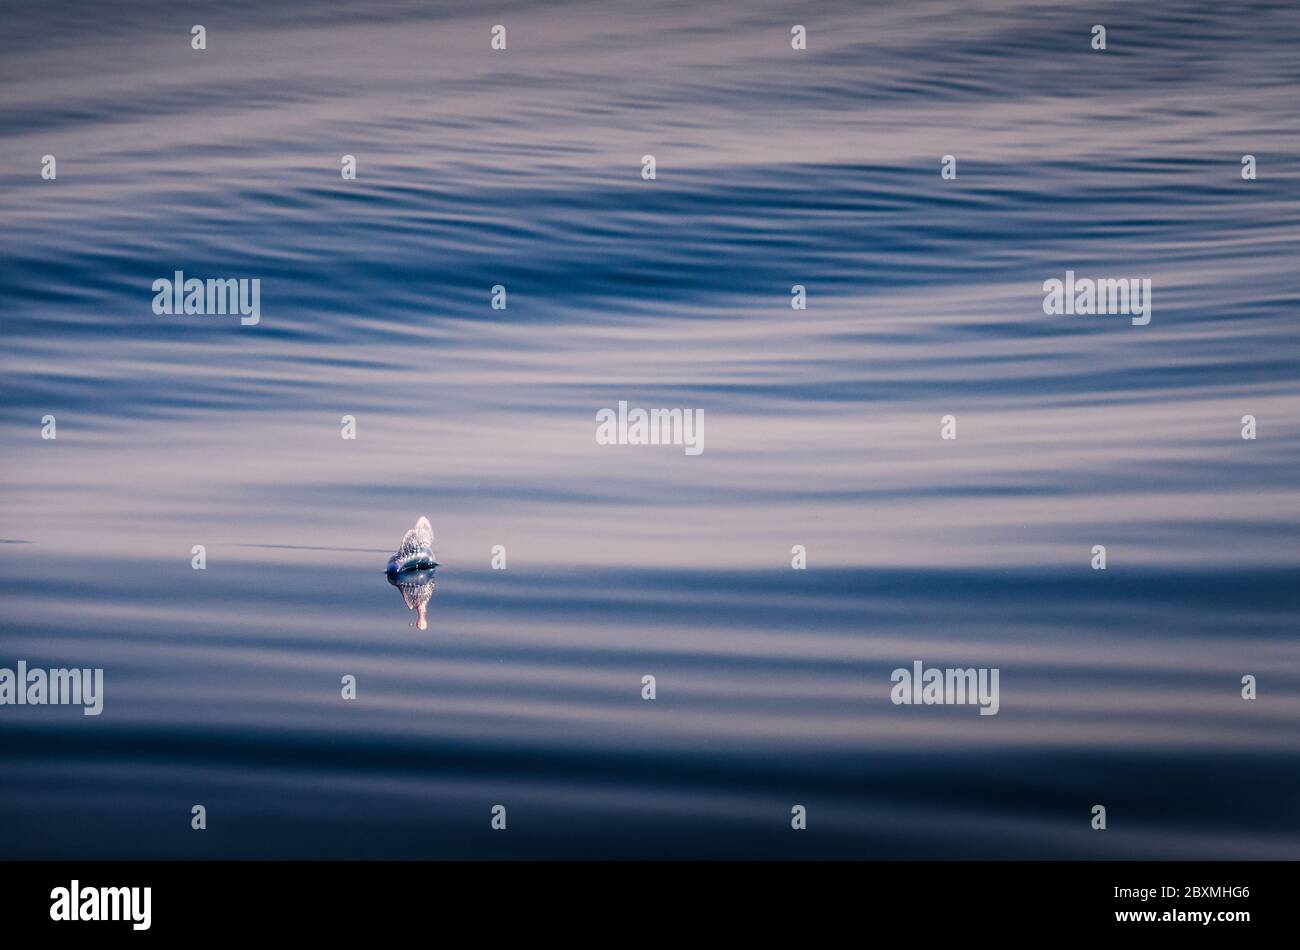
[{"x": 417, "y": 588}]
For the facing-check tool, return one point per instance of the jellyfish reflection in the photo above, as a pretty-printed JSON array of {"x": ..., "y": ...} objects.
[{"x": 417, "y": 588}]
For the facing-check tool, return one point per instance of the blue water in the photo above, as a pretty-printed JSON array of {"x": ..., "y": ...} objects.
[{"x": 775, "y": 167}]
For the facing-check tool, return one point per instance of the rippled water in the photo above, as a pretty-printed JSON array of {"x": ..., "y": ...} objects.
[{"x": 774, "y": 168}]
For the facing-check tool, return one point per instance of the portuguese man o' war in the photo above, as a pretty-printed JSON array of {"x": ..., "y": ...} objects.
[
  {"x": 410, "y": 570},
  {"x": 416, "y": 551}
]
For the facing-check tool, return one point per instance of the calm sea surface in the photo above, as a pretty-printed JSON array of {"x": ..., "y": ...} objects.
[{"x": 775, "y": 167}]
